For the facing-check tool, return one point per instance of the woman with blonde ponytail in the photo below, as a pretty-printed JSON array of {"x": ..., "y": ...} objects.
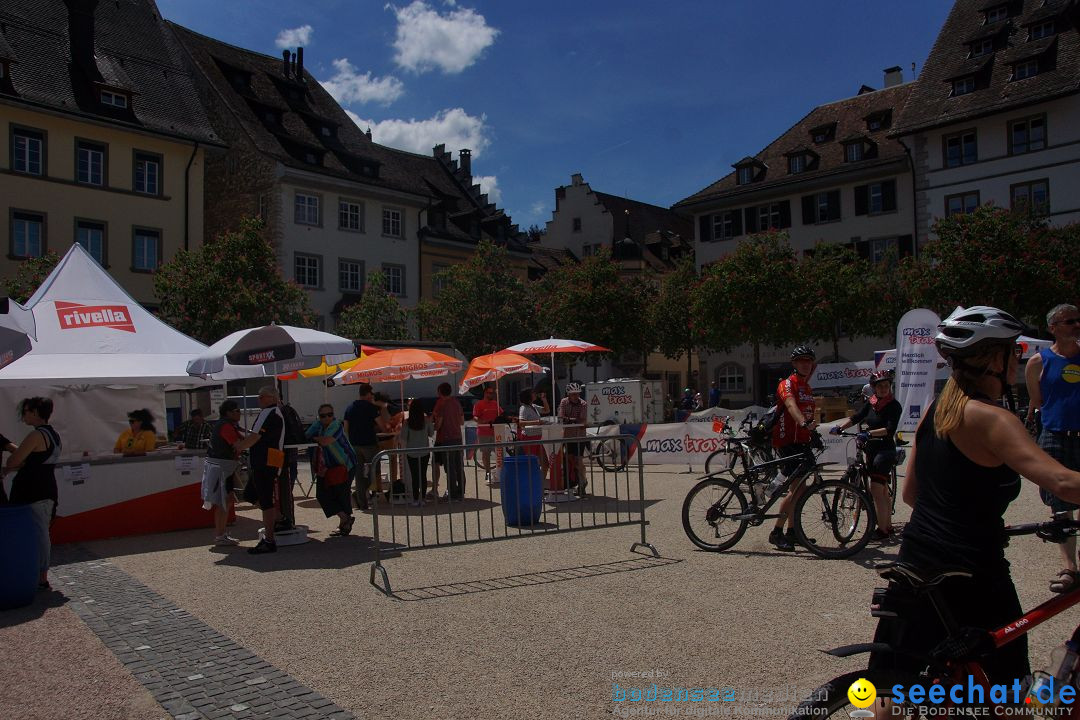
[{"x": 964, "y": 470}]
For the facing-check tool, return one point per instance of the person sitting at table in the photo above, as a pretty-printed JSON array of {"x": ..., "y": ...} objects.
[
  {"x": 333, "y": 463},
  {"x": 140, "y": 437},
  {"x": 415, "y": 433},
  {"x": 529, "y": 423}
]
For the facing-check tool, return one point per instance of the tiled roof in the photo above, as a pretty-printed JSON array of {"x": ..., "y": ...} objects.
[
  {"x": 6, "y": 53},
  {"x": 644, "y": 218},
  {"x": 249, "y": 83},
  {"x": 849, "y": 117},
  {"x": 931, "y": 104},
  {"x": 134, "y": 50}
]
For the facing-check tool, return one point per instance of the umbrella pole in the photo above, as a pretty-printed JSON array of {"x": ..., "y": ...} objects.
[{"x": 554, "y": 392}]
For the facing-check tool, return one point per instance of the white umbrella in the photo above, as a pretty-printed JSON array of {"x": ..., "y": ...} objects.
[
  {"x": 17, "y": 327},
  {"x": 275, "y": 349},
  {"x": 552, "y": 346}
]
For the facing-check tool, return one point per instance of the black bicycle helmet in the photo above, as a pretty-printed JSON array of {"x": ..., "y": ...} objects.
[{"x": 803, "y": 351}]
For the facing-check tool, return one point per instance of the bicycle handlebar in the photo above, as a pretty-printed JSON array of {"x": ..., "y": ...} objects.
[{"x": 1055, "y": 531}]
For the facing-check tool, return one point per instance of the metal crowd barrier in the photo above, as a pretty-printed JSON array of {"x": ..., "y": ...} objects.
[{"x": 613, "y": 499}]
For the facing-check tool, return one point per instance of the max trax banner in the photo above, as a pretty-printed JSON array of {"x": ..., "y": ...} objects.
[{"x": 916, "y": 365}]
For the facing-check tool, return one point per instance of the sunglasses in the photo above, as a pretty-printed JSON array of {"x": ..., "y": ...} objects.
[
  {"x": 326, "y": 415},
  {"x": 1069, "y": 321}
]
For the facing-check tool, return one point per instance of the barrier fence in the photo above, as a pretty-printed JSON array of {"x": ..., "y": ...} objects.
[{"x": 502, "y": 495}]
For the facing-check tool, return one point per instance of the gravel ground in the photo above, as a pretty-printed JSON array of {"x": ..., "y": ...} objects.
[{"x": 551, "y": 646}]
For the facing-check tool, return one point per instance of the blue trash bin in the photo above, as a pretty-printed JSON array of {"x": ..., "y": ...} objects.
[
  {"x": 522, "y": 489},
  {"x": 18, "y": 556}
]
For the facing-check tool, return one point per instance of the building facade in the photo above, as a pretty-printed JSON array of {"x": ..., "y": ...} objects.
[
  {"x": 993, "y": 115},
  {"x": 105, "y": 140}
]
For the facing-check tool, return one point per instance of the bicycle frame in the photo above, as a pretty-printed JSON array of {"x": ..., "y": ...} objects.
[{"x": 808, "y": 461}]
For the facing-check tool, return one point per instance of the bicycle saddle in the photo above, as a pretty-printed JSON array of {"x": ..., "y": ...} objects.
[{"x": 907, "y": 575}]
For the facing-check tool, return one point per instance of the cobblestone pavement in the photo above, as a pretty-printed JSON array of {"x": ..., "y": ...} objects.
[{"x": 190, "y": 668}]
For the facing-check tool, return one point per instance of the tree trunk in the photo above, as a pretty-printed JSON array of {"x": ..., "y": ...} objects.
[
  {"x": 689, "y": 370},
  {"x": 757, "y": 373},
  {"x": 836, "y": 342},
  {"x": 644, "y": 363}
]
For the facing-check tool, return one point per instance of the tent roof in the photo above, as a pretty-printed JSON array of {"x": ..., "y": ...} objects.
[{"x": 90, "y": 331}]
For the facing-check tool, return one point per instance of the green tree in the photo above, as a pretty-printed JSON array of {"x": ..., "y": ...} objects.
[
  {"x": 667, "y": 318},
  {"x": 992, "y": 256},
  {"x": 750, "y": 296},
  {"x": 484, "y": 305},
  {"x": 230, "y": 283},
  {"x": 378, "y": 314},
  {"x": 836, "y": 294},
  {"x": 29, "y": 274}
]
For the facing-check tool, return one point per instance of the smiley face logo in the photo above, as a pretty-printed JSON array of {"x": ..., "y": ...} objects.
[{"x": 862, "y": 693}]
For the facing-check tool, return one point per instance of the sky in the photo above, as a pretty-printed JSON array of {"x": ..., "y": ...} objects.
[{"x": 648, "y": 100}]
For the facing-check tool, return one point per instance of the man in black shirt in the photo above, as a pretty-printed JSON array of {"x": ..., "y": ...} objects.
[
  {"x": 267, "y": 459},
  {"x": 362, "y": 425}
]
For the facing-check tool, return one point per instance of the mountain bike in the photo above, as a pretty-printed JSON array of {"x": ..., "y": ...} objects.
[
  {"x": 832, "y": 519},
  {"x": 858, "y": 472},
  {"x": 745, "y": 449},
  {"x": 956, "y": 657}
]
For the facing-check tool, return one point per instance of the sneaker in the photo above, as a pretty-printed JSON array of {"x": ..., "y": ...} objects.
[
  {"x": 223, "y": 540},
  {"x": 780, "y": 541},
  {"x": 583, "y": 489},
  {"x": 794, "y": 540},
  {"x": 264, "y": 546}
]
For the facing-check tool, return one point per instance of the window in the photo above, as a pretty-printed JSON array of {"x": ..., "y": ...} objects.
[
  {"x": 769, "y": 217},
  {"x": 963, "y": 203},
  {"x": 853, "y": 152},
  {"x": 1031, "y": 196},
  {"x": 439, "y": 281},
  {"x": 395, "y": 279},
  {"x": 730, "y": 378},
  {"x": 1042, "y": 30},
  {"x": 726, "y": 225},
  {"x": 326, "y": 131},
  {"x": 90, "y": 162},
  {"x": 821, "y": 207},
  {"x": 147, "y": 173},
  {"x": 350, "y": 276},
  {"x": 961, "y": 149},
  {"x": 391, "y": 222},
  {"x": 306, "y": 209},
  {"x": 875, "y": 198},
  {"x": 264, "y": 207},
  {"x": 1025, "y": 69},
  {"x": 1027, "y": 135},
  {"x": 577, "y": 224},
  {"x": 879, "y": 249},
  {"x": 146, "y": 250},
  {"x": 307, "y": 270},
  {"x": 963, "y": 86},
  {"x": 745, "y": 175},
  {"x": 91, "y": 235},
  {"x": 350, "y": 215},
  {"x": 27, "y": 235},
  {"x": 796, "y": 164},
  {"x": 118, "y": 100},
  {"x": 27, "y": 151},
  {"x": 982, "y": 47},
  {"x": 997, "y": 14}
]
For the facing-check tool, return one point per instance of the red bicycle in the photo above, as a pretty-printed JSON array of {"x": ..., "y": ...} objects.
[{"x": 954, "y": 659}]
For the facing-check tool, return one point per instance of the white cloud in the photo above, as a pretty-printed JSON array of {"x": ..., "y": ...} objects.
[
  {"x": 454, "y": 127},
  {"x": 490, "y": 185},
  {"x": 538, "y": 208},
  {"x": 427, "y": 40},
  {"x": 293, "y": 37},
  {"x": 348, "y": 86}
]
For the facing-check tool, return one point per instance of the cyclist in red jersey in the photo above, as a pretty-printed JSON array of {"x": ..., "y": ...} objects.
[{"x": 792, "y": 433}]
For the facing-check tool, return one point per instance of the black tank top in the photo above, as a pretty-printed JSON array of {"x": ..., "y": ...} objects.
[
  {"x": 36, "y": 479},
  {"x": 957, "y": 521}
]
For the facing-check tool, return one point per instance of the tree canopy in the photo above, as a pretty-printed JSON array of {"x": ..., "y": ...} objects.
[{"x": 378, "y": 314}]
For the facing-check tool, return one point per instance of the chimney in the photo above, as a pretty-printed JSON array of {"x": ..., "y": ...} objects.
[
  {"x": 81, "y": 31},
  {"x": 893, "y": 76},
  {"x": 368, "y": 133},
  {"x": 465, "y": 160},
  {"x": 576, "y": 179},
  {"x": 300, "y": 64},
  {"x": 285, "y": 63}
]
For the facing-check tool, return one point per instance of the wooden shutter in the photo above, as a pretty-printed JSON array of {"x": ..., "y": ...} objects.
[
  {"x": 705, "y": 228},
  {"x": 905, "y": 245},
  {"x": 736, "y": 216},
  {"x": 834, "y": 204},
  {"x": 862, "y": 199},
  {"x": 862, "y": 247},
  {"x": 888, "y": 195},
  {"x": 785, "y": 214},
  {"x": 808, "y": 210},
  {"x": 751, "y": 220}
]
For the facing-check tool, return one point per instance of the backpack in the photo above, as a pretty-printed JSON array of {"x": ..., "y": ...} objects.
[
  {"x": 761, "y": 432},
  {"x": 294, "y": 429}
]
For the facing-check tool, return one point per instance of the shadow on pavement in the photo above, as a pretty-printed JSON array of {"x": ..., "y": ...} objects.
[
  {"x": 329, "y": 554},
  {"x": 42, "y": 602}
]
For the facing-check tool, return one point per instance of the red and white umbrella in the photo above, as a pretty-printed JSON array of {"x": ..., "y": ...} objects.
[{"x": 550, "y": 347}]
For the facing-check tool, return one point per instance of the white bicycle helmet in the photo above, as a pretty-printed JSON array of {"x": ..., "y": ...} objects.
[
  {"x": 573, "y": 388},
  {"x": 966, "y": 329}
]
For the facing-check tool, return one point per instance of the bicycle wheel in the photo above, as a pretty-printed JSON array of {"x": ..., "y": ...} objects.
[
  {"x": 831, "y": 699},
  {"x": 847, "y": 508},
  {"x": 719, "y": 461},
  {"x": 709, "y": 514},
  {"x": 834, "y": 519},
  {"x": 610, "y": 454}
]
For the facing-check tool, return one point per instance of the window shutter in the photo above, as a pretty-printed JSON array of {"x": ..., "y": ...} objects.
[
  {"x": 808, "y": 214},
  {"x": 863, "y": 249},
  {"x": 834, "y": 204},
  {"x": 905, "y": 246},
  {"x": 736, "y": 216},
  {"x": 751, "y": 220},
  {"x": 888, "y": 195},
  {"x": 862, "y": 199},
  {"x": 785, "y": 214},
  {"x": 705, "y": 228}
]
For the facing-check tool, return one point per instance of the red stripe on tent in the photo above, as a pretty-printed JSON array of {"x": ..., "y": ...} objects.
[{"x": 176, "y": 509}]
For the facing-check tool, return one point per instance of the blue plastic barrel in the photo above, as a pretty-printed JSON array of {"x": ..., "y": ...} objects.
[
  {"x": 522, "y": 489},
  {"x": 18, "y": 556}
]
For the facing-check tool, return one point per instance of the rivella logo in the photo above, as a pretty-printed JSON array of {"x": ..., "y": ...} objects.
[{"x": 73, "y": 315}]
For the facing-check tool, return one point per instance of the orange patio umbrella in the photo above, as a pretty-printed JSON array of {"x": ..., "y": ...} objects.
[
  {"x": 398, "y": 365},
  {"x": 489, "y": 368}
]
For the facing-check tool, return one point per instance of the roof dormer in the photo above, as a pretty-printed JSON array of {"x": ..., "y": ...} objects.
[
  {"x": 823, "y": 133},
  {"x": 878, "y": 120},
  {"x": 801, "y": 159},
  {"x": 749, "y": 170},
  {"x": 998, "y": 11},
  {"x": 859, "y": 147}
]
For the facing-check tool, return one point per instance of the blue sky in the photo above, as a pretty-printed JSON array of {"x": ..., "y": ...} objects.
[{"x": 651, "y": 100}]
